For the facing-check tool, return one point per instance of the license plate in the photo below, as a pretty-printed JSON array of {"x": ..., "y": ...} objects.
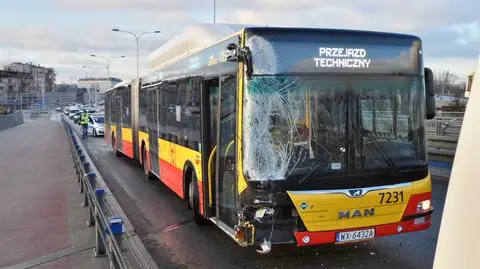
[{"x": 355, "y": 235}]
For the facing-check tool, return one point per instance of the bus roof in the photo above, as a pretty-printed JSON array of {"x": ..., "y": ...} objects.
[
  {"x": 192, "y": 39},
  {"x": 202, "y": 36},
  {"x": 120, "y": 84},
  {"x": 324, "y": 31}
]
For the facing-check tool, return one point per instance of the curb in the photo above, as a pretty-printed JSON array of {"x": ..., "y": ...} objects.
[{"x": 133, "y": 249}]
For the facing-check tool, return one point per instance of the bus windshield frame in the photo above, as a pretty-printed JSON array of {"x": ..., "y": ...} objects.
[{"x": 356, "y": 124}]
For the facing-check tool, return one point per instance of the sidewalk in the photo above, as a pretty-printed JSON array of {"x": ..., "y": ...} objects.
[{"x": 42, "y": 223}]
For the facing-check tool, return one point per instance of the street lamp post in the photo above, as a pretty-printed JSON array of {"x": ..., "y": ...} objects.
[
  {"x": 137, "y": 38},
  {"x": 107, "y": 59},
  {"x": 94, "y": 83}
]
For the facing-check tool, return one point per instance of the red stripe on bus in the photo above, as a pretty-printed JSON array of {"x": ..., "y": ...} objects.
[
  {"x": 127, "y": 148},
  {"x": 200, "y": 196},
  {"x": 172, "y": 177}
]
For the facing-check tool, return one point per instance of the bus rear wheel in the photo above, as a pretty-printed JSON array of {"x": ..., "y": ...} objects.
[
  {"x": 193, "y": 200},
  {"x": 146, "y": 172},
  {"x": 114, "y": 146}
]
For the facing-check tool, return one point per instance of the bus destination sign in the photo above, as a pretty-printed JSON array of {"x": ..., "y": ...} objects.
[{"x": 342, "y": 58}]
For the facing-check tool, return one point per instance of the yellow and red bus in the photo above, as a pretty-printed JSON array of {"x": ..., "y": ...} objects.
[{"x": 286, "y": 135}]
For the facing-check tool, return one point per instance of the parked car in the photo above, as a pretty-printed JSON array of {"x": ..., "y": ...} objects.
[
  {"x": 58, "y": 109},
  {"x": 72, "y": 112},
  {"x": 96, "y": 125}
]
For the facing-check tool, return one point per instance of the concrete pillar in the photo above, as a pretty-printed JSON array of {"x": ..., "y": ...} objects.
[{"x": 458, "y": 245}]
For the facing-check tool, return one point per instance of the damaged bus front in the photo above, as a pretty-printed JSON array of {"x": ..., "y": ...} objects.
[{"x": 331, "y": 137}]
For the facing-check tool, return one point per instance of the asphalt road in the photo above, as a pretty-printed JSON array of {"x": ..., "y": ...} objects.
[{"x": 170, "y": 235}]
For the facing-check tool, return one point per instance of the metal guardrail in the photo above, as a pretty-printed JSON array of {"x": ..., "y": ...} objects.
[
  {"x": 442, "y": 137},
  {"x": 115, "y": 236},
  {"x": 441, "y": 148},
  {"x": 444, "y": 126}
]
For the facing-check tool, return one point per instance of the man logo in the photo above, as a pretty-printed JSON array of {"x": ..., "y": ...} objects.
[
  {"x": 303, "y": 205},
  {"x": 355, "y": 193},
  {"x": 356, "y": 213}
]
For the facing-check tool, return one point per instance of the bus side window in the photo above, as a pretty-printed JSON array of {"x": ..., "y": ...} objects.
[
  {"x": 213, "y": 87},
  {"x": 162, "y": 110},
  {"x": 182, "y": 121},
  {"x": 192, "y": 117},
  {"x": 171, "y": 92}
]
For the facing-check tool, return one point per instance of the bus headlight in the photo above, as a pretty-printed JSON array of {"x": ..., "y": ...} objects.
[{"x": 424, "y": 205}]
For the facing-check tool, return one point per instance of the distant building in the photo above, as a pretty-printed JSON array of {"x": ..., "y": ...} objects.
[
  {"x": 60, "y": 98},
  {"x": 94, "y": 84},
  {"x": 102, "y": 84},
  {"x": 14, "y": 84},
  {"x": 81, "y": 95},
  {"x": 43, "y": 77},
  {"x": 66, "y": 87}
]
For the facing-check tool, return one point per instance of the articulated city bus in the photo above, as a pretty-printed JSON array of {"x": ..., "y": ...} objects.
[{"x": 287, "y": 135}]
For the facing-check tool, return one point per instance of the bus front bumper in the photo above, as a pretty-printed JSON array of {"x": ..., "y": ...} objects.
[{"x": 330, "y": 237}]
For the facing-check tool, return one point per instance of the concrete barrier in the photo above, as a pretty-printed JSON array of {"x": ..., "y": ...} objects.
[
  {"x": 11, "y": 120},
  {"x": 441, "y": 148}
]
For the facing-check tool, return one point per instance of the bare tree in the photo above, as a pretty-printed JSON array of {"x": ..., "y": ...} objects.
[{"x": 445, "y": 81}]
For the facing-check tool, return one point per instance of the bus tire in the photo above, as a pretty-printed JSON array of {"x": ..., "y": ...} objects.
[
  {"x": 193, "y": 200},
  {"x": 146, "y": 172},
  {"x": 114, "y": 145}
]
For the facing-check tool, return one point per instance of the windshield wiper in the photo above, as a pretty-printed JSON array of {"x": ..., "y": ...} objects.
[
  {"x": 320, "y": 166},
  {"x": 375, "y": 146}
]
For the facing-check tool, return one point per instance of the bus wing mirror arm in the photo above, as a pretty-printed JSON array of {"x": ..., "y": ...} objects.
[
  {"x": 244, "y": 55},
  {"x": 247, "y": 58}
]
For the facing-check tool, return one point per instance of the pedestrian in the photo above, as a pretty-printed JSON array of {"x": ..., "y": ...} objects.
[{"x": 84, "y": 118}]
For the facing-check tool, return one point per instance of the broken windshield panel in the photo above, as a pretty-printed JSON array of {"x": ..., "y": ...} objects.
[{"x": 297, "y": 126}]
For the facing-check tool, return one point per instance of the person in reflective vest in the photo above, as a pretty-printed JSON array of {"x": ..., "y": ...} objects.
[{"x": 84, "y": 123}]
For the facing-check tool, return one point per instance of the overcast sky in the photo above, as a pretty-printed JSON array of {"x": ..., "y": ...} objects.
[{"x": 63, "y": 33}]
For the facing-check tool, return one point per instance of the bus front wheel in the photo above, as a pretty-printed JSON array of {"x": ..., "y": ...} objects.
[{"x": 193, "y": 200}]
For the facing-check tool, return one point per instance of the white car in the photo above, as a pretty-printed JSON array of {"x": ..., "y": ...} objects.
[
  {"x": 72, "y": 112},
  {"x": 96, "y": 125}
]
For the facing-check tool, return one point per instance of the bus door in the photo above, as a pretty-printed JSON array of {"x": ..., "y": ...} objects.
[
  {"x": 152, "y": 119},
  {"x": 226, "y": 185},
  {"x": 118, "y": 121},
  {"x": 209, "y": 109}
]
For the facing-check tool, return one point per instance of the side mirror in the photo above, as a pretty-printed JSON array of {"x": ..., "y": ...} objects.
[
  {"x": 238, "y": 54},
  {"x": 431, "y": 110}
]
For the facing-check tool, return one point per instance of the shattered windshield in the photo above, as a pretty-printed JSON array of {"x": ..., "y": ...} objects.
[{"x": 299, "y": 126}]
